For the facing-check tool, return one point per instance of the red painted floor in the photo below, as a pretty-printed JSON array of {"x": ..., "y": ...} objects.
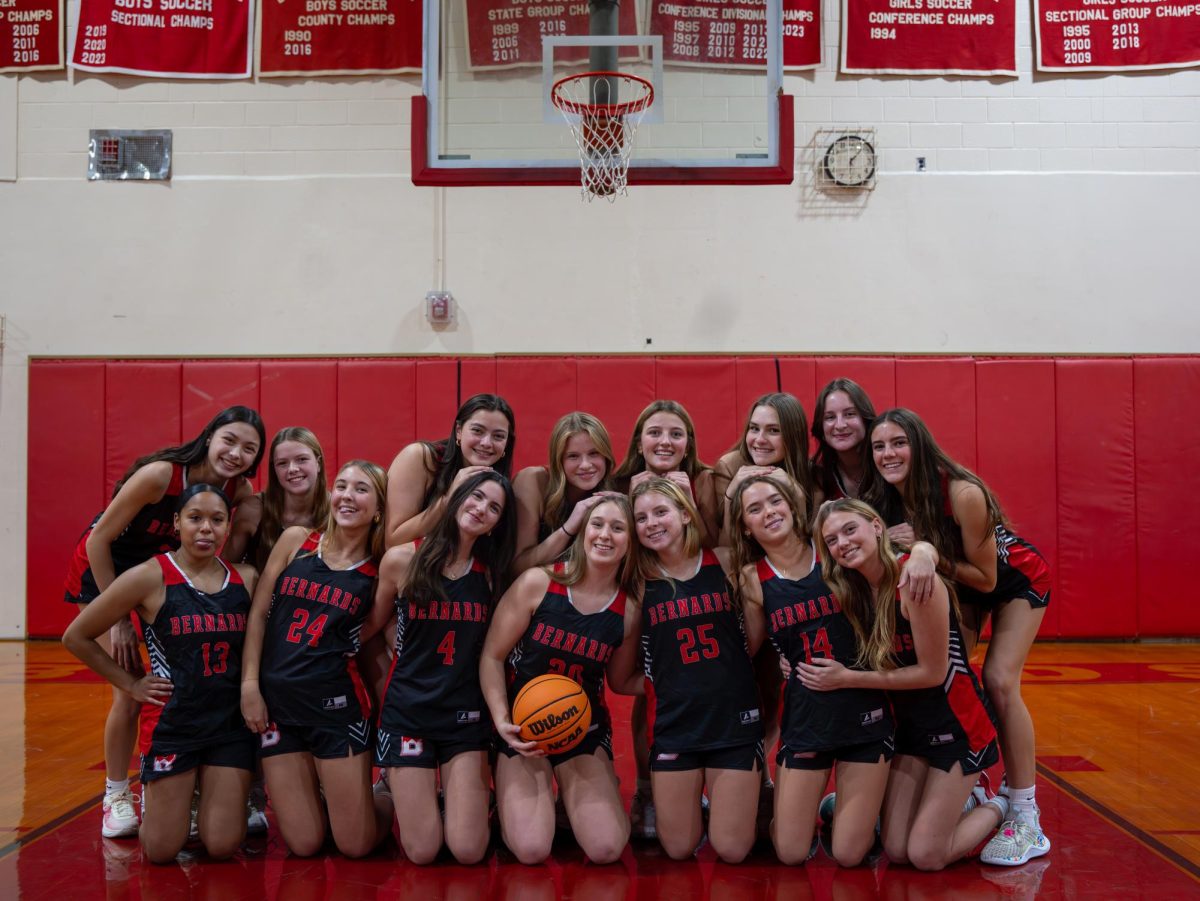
[{"x": 1097, "y": 853}]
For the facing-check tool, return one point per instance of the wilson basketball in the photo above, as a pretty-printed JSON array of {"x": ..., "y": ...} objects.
[{"x": 553, "y": 711}]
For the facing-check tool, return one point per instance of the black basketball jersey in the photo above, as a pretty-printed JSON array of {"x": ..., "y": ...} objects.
[
  {"x": 562, "y": 640},
  {"x": 805, "y": 620},
  {"x": 196, "y": 642},
  {"x": 308, "y": 674},
  {"x": 700, "y": 687},
  {"x": 954, "y": 712},
  {"x": 433, "y": 688}
]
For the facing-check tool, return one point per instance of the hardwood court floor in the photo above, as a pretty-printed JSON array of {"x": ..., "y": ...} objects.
[{"x": 1119, "y": 787}]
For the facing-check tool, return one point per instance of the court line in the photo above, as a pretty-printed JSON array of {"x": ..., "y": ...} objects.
[
  {"x": 1167, "y": 853},
  {"x": 46, "y": 828}
]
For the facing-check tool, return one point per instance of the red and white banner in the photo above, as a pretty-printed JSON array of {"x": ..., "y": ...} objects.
[
  {"x": 338, "y": 37},
  {"x": 165, "y": 38},
  {"x": 31, "y": 35},
  {"x": 929, "y": 37},
  {"x": 719, "y": 34},
  {"x": 1111, "y": 36},
  {"x": 503, "y": 34}
]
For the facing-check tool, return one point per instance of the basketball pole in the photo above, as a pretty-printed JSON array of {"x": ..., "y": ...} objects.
[{"x": 603, "y": 22}]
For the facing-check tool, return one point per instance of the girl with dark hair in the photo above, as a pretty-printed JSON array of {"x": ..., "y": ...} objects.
[
  {"x": 588, "y": 598},
  {"x": 297, "y": 494},
  {"x": 995, "y": 572},
  {"x": 944, "y": 734},
  {"x": 424, "y": 473},
  {"x": 301, "y": 691},
  {"x": 553, "y": 500},
  {"x": 434, "y": 720},
  {"x": 192, "y": 734},
  {"x": 136, "y": 525},
  {"x": 841, "y": 420},
  {"x": 699, "y": 682}
]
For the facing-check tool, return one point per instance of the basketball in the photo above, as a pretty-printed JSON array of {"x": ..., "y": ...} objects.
[{"x": 553, "y": 711}]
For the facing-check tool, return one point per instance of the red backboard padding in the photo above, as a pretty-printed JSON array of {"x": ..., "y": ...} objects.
[
  {"x": 65, "y": 483},
  {"x": 141, "y": 410},
  {"x": 1097, "y": 523},
  {"x": 1090, "y": 457},
  {"x": 1017, "y": 453},
  {"x": 1167, "y": 436},
  {"x": 301, "y": 393}
]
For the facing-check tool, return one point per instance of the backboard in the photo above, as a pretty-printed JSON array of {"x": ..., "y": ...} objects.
[{"x": 718, "y": 115}]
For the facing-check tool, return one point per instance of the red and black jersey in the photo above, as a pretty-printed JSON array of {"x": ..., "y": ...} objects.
[
  {"x": 805, "y": 620},
  {"x": 308, "y": 674},
  {"x": 150, "y": 532},
  {"x": 433, "y": 687},
  {"x": 196, "y": 642},
  {"x": 700, "y": 688},
  {"x": 562, "y": 640},
  {"x": 943, "y": 717}
]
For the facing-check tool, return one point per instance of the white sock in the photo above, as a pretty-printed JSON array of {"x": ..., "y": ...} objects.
[
  {"x": 115, "y": 788},
  {"x": 1023, "y": 805}
]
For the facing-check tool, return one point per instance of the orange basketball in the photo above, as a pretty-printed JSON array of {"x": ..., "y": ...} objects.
[{"x": 553, "y": 711}]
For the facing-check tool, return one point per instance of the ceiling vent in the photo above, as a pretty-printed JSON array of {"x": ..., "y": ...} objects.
[{"x": 126, "y": 155}]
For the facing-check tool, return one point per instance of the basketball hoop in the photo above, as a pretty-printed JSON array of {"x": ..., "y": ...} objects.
[{"x": 603, "y": 131}]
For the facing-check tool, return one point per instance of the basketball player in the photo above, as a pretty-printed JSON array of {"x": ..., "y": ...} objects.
[
  {"x": 301, "y": 692},
  {"x": 434, "y": 721},
  {"x": 570, "y": 620},
  {"x": 553, "y": 501},
  {"x": 944, "y": 733},
  {"x": 193, "y": 609},
  {"x": 136, "y": 525},
  {"x": 995, "y": 572},
  {"x": 841, "y": 420},
  {"x": 424, "y": 473},
  {"x": 705, "y": 722}
]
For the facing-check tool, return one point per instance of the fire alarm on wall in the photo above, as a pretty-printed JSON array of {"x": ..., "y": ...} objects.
[{"x": 439, "y": 307}]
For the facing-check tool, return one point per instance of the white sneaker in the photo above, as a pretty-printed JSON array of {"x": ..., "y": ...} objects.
[
  {"x": 120, "y": 815},
  {"x": 256, "y": 811},
  {"x": 1016, "y": 842},
  {"x": 642, "y": 817}
]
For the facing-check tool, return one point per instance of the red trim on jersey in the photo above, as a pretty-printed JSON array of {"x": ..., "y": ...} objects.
[
  {"x": 360, "y": 690},
  {"x": 175, "y": 486},
  {"x": 765, "y": 572},
  {"x": 79, "y": 565},
  {"x": 477, "y": 567},
  {"x": 235, "y": 577},
  {"x": 708, "y": 558},
  {"x": 172, "y": 574},
  {"x": 149, "y": 722},
  {"x": 369, "y": 569},
  {"x": 312, "y": 541},
  {"x": 1031, "y": 565},
  {"x": 618, "y": 604},
  {"x": 556, "y": 588},
  {"x": 969, "y": 710},
  {"x": 651, "y": 708}
]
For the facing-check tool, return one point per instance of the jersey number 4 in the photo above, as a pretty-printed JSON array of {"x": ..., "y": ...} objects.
[
  {"x": 702, "y": 635},
  {"x": 296, "y": 631},
  {"x": 446, "y": 649}
]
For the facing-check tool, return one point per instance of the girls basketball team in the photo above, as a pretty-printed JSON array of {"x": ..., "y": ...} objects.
[{"x": 868, "y": 571}]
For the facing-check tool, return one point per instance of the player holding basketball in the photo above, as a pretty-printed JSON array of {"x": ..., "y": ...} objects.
[
  {"x": 706, "y": 725},
  {"x": 424, "y": 473},
  {"x": 852, "y": 728},
  {"x": 193, "y": 609},
  {"x": 841, "y": 420},
  {"x": 569, "y": 620},
  {"x": 301, "y": 692},
  {"x": 297, "y": 494},
  {"x": 553, "y": 501},
  {"x": 944, "y": 734},
  {"x": 136, "y": 525},
  {"x": 434, "y": 721},
  {"x": 995, "y": 572},
  {"x": 664, "y": 444}
]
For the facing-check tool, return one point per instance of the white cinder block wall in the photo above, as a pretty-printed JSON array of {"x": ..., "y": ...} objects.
[{"x": 1057, "y": 215}]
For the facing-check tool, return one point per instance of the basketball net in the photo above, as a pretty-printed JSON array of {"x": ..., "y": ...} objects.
[{"x": 603, "y": 132}]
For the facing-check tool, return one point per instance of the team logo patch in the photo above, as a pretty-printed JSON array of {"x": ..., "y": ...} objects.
[
  {"x": 411, "y": 747},
  {"x": 748, "y": 716},
  {"x": 164, "y": 763},
  {"x": 869, "y": 717},
  {"x": 667, "y": 757},
  {"x": 944, "y": 738},
  {"x": 333, "y": 703},
  {"x": 468, "y": 716}
]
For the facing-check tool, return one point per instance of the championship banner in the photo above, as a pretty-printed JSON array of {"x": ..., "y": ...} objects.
[
  {"x": 504, "y": 34},
  {"x": 929, "y": 37},
  {"x": 31, "y": 35},
  {"x": 338, "y": 37},
  {"x": 165, "y": 38},
  {"x": 719, "y": 34},
  {"x": 1107, "y": 36}
]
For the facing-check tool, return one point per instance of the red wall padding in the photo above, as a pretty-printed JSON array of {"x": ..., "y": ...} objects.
[{"x": 1090, "y": 457}]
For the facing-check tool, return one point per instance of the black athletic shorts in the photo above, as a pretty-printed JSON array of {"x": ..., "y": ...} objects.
[
  {"x": 595, "y": 738},
  {"x": 322, "y": 742},
  {"x": 396, "y": 750},
  {"x": 160, "y": 762},
  {"x": 747, "y": 757},
  {"x": 868, "y": 752}
]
